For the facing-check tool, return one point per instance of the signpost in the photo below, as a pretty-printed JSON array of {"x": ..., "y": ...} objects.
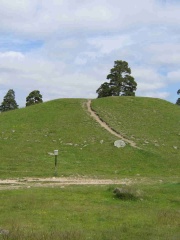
[{"x": 55, "y": 154}]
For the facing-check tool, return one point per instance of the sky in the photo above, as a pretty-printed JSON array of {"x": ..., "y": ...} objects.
[{"x": 66, "y": 48}]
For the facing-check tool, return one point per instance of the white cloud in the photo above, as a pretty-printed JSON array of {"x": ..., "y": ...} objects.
[
  {"x": 107, "y": 44},
  {"x": 80, "y": 60},
  {"x": 41, "y": 18},
  {"x": 148, "y": 77},
  {"x": 174, "y": 76},
  {"x": 11, "y": 55},
  {"x": 165, "y": 53},
  {"x": 29, "y": 73},
  {"x": 150, "y": 83},
  {"x": 80, "y": 40}
]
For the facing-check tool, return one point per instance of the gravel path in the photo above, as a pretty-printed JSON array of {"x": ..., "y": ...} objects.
[
  {"x": 55, "y": 182},
  {"x": 27, "y": 182}
]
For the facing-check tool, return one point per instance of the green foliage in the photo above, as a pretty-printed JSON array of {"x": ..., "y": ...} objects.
[
  {"x": 9, "y": 102},
  {"x": 178, "y": 100},
  {"x": 33, "y": 98},
  {"x": 104, "y": 90},
  {"x": 121, "y": 83}
]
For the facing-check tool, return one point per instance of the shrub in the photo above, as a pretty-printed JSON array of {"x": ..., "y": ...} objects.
[{"x": 126, "y": 193}]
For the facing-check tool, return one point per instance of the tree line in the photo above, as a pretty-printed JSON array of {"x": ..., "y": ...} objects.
[{"x": 9, "y": 102}]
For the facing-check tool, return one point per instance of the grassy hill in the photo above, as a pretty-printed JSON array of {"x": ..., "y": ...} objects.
[
  {"x": 29, "y": 134},
  {"x": 154, "y": 124},
  {"x": 27, "y": 137}
]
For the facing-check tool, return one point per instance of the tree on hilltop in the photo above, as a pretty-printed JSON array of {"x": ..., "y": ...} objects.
[
  {"x": 178, "y": 100},
  {"x": 9, "y": 102},
  {"x": 104, "y": 90},
  {"x": 33, "y": 98},
  {"x": 121, "y": 82}
]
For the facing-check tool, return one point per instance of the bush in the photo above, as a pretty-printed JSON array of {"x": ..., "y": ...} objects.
[{"x": 126, "y": 193}]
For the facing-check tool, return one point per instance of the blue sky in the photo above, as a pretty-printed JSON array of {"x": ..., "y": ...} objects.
[{"x": 66, "y": 48}]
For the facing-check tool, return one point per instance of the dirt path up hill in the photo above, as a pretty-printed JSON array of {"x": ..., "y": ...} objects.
[{"x": 107, "y": 127}]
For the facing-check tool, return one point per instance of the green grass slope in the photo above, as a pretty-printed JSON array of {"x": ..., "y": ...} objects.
[
  {"x": 28, "y": 135},
  {"x": 154, "y": 124}
]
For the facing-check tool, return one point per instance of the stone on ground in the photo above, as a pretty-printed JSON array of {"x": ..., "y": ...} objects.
[{"x": 119, "y": 143}]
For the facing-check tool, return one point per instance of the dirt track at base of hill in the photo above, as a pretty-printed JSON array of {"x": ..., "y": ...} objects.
[
  {"x": 107, "y": 127},
  {"x": 56, "y": 181},
  {"x": 61, "y": 182}
]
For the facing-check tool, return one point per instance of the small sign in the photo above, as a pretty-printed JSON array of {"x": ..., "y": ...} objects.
[{"x": 55, "y": 152}]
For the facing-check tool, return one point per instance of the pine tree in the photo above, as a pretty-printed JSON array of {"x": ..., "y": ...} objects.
[
  {"x": 121, "y": 82},
  {"x": 9, "y": 102},
  {"x": 178, "y": 100},
  {"x": 33, "y": 98}
]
